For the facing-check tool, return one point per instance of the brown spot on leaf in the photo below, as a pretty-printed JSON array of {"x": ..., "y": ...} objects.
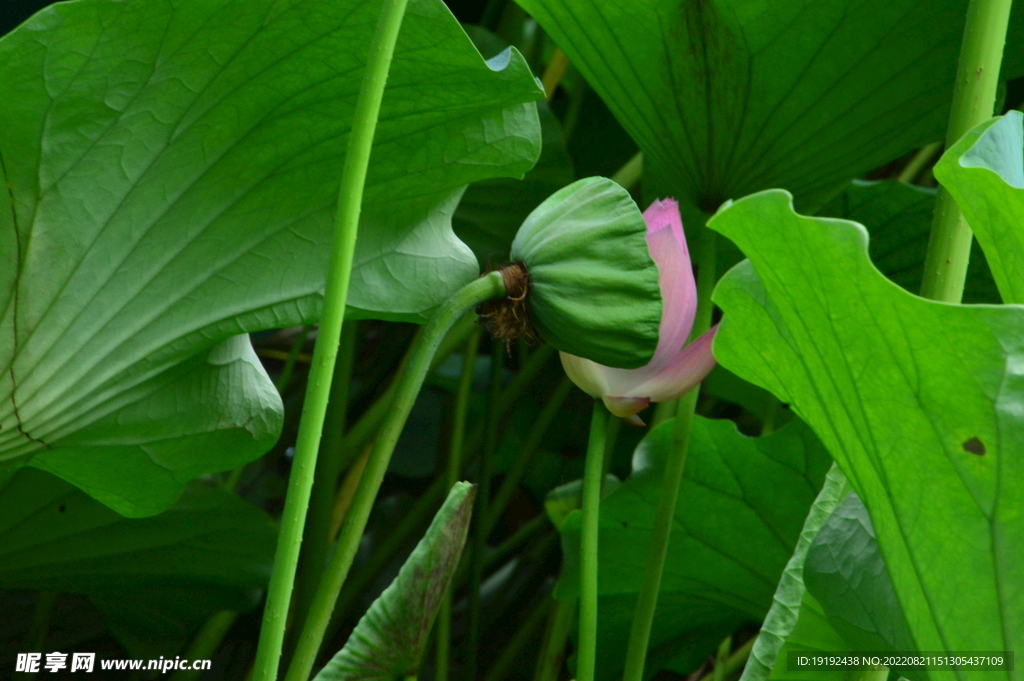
[{"x": 974, "y": 446}]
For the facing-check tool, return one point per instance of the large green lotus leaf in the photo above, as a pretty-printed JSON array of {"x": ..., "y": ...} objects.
[
  {"x": 898, "y": 217},
  {"x": 155, "y": 578},
  {"x": 171, "y": 171},
  {"x": 726, "y": 97},
  {"x": 593, "y": 285},
  {"x": 742, "y": 504},
  {"x": 388, "y": 641},
  {"x": 984, "y": 172},
  {"x": 919, "y": 403}
]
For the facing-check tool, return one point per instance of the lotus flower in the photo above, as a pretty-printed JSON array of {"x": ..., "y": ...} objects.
[{"x": 674, "y": 369}]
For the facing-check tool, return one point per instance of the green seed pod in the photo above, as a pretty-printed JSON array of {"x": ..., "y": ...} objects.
[{"x": 591, "y": 284}]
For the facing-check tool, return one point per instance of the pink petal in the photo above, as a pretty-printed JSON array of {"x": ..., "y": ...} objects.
[
  {"x": 683, "y": 373},
  {"x": 589, "y": 376},
  {"x": 667, "y": 245}
]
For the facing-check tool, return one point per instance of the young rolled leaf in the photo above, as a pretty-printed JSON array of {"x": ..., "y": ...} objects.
[
  {"x": 741, "y": 507},
  {"x": 171, "y": 173},
  {"x": 847, "y": 590},
  {"x": 388, "y": 642},
  {"x": 984, "y": 172},
  {"x": 781, "y": 619},
  {"x": 845, "y": 572},
  {"x": 918, "y": 402},
  {"x": 812, "y": 633},
  {"x": 727, "y": 97},
  {"x": 593, "y": 285}
]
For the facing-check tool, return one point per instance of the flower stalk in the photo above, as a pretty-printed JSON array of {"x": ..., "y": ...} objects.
[{"x": 668, "y": 497}]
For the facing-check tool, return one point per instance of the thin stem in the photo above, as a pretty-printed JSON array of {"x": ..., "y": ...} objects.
[
  {"x": 350, "y": 200},
  {"x": 465, "y": 388},
  {"x": 974, "y": 96},
  {"x": 206, "y": 641},
  {"x": 318, "y": 535},
  {"x": 772, "y": 411},
  {"x": 416, "y": 518},
  {"x": 504, "y": 549},
  {"x": 661, "y": 533},
  {"x": 718, "y": 671},
  {"x": 347, "y": 492},
  {"x": 630, "y": 173},
  {"x": 513, "y": 651},
  {"x": 487, "y": 287},
  {"x": 492, "y": 14},
  {"x": 293, "y": 356},
  {"x": 527, "y": 453},
  {"x": 39, "y": 628},
  {"x": 482, "y": 503},
  {"x": 593, "y": 471},
  {"x": 917, "y": 163},
  {"x": 572, "y": 113},
  {"x": 553, "y": 73},
  {"x": 367, "y": 424},
  {"x": 552, "y": 650},
  {"x": 738, "y": 658}
]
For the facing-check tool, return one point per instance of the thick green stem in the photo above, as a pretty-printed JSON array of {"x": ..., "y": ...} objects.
[
  {"x": 611, "y": 434},
  {"x": 483, "y": 498},
  {"x": 350, "y": 200},
  {"x": 444, "y": 616},
  {"x": 647, "y": 599},
  {"x": 974, "y": 96},
  {"x": 593, "y": 472},
  {"x": 408, "y": 386},
  {"x": 318, "y": 537}
]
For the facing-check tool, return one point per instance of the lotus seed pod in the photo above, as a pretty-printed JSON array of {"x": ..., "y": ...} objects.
[{"x": 584, "y": 276}]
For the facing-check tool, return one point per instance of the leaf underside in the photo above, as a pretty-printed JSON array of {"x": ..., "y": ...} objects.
[{"x": 171, "y": 172}]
